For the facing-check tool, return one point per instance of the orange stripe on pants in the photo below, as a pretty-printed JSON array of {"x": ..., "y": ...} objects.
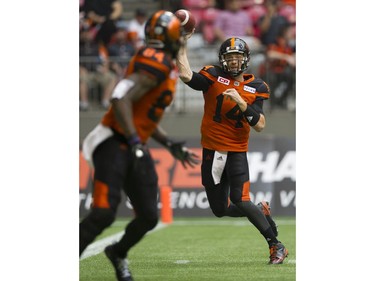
[
  {"x": 100, "y": 196},
  {"x": 246, "y": 191}
]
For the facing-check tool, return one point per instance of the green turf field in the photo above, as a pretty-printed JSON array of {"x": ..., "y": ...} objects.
[{"x": 200, "y": 249}]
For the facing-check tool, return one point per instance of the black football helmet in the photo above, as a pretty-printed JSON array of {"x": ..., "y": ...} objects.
[
  {"x": 163, "y": 30},
  {"x": 230, "y": 46}
]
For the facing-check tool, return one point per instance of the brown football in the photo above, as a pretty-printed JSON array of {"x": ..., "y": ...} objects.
[{"x": 187, "y": 20}]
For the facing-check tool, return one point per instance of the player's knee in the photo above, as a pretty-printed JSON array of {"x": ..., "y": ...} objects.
[{"x": 218, "y": 212}]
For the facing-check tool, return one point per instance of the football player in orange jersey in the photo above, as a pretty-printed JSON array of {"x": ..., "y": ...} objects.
[
  {"x": 233, "y": 103},
  {"x": 117, "y": 146}
]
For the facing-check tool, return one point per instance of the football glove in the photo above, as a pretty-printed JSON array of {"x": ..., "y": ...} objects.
[{"x": 183, "y": 154}]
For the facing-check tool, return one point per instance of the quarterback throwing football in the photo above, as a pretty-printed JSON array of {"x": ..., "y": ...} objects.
[{"x": 233, "y": 106}]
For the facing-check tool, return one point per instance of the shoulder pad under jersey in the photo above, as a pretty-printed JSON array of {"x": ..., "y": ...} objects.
[
  {"x": 154, "y": 62},
  {"x": 212, "y": 71},
  {"x": 259, "y": 85},
  {"x": 158, "y": 56}
]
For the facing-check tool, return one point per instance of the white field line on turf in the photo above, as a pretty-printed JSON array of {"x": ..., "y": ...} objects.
[
  {"x": 217, "y": 221},
  {"x": 225, "y": 222},
  {"x": 187, "y": 261},
  {"x": 98, "y": 246}
]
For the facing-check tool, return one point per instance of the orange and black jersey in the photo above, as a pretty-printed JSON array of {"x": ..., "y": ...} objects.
[
  {"x": 224, "y": 127},
  {"x": 149, "y": 109}
]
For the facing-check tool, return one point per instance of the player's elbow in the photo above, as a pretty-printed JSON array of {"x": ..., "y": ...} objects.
[
  {"x": 260, "y": 125},
  {"x": 185, "y": 76},
  {"x": 258, "y": 128}
]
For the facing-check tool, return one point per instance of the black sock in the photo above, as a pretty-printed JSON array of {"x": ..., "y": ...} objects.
[
  {"x": 258, "y": 219},
  {"x": 270, "y": 236}
]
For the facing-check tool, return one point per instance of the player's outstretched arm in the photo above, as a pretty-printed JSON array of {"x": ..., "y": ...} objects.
[
  {"x": 126, "y": 92},
  {"x": 182, "y": 61}
]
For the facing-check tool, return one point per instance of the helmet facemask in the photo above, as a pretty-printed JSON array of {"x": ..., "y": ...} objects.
[
  {"x": 234, "y": 49},
  {"x": 227, "y": 59}
]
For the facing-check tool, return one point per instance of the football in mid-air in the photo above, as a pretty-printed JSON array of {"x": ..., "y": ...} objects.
[{"x": 187, "y": 20}]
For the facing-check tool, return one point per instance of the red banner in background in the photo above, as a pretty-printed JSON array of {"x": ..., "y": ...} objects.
[{"x": 272, "y": 176}]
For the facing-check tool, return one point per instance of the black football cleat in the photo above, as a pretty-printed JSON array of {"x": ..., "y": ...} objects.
[
  {"x": 277, "y": 253},
  {"x": 266, "y": 209},
  {"x": 121, "y": 265}
]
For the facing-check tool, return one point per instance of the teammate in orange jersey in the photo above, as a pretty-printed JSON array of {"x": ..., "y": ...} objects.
[
  {"x": 117, "y": 146},
  {"x": 233, "y": 105}
]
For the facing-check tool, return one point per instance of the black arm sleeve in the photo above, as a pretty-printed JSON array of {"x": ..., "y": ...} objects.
[
  {"x": 198, "y": 82},
  {"x": 251, "y": 115},
  {"x": 252, "y": 112}
]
